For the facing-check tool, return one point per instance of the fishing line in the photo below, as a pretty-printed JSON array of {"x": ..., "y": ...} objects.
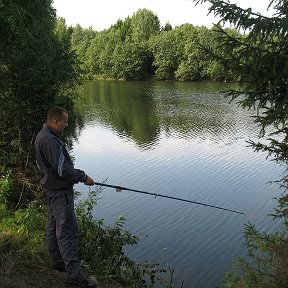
[{"x": 120, "y": 188}]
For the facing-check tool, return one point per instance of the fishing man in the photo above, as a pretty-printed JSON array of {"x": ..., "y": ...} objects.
[{"x": 59, "y": 176}]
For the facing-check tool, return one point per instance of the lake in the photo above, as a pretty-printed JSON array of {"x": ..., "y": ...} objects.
[{"x": 183, "y": 140}]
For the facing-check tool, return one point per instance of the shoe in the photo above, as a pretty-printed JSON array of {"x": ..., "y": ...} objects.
[
  {"x": 86, "y": 283},
  {"x": 60, "y": 268}
]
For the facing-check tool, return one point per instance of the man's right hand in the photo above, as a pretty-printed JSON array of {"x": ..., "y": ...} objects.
[{"x": 89, "y": 181}]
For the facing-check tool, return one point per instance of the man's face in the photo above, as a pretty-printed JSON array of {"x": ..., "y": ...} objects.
[{"x": 60, "y": 125}]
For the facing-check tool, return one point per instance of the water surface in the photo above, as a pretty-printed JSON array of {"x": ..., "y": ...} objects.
[{"x": 183, "y": 140}]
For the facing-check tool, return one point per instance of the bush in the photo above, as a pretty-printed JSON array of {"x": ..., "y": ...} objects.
[
  {"x": 101, "y": 247},
  {"x": 266, "y": 265},
  {"x": 5, "y": 184}
]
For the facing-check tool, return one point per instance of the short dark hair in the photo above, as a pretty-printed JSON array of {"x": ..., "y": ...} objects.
[{"x": 56, "y": 112}]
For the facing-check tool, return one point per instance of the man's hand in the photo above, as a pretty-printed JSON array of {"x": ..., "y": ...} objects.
[{"x": 89, "y": 181}]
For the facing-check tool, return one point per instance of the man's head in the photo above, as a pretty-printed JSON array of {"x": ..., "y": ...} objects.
[{"x": 57, "y": 118}]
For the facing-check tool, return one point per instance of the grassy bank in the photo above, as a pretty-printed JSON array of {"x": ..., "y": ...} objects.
[
  {"x": 23, "y": 252},
  {"x": 25, "y": 260},
  {"x": 22, "y": 267}
]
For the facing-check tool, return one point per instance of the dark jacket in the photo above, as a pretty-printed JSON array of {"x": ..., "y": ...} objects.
[{"x": 54, "y": 162}]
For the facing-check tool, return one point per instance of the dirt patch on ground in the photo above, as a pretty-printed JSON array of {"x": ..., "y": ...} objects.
[
  {"x": 30, "y": 275},
  {"x": 20, "y": 268}
]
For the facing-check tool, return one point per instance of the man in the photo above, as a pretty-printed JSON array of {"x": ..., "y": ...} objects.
[{"x": 59, "y": 176}]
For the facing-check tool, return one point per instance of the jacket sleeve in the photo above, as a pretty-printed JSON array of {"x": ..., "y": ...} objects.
[{"x": 60, "y": 162}]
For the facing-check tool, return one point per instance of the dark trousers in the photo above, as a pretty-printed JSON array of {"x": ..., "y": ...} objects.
[{"x": 61, "y": 232}]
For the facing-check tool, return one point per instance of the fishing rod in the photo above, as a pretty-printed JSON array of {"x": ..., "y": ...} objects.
[{"x": 120, "y": 188}]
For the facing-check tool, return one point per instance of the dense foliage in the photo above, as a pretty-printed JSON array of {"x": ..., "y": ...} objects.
[
  {"x": 259, "y": 60},
  {"x": 138, "y": 48},
  {"x": 36, "y": 68}
]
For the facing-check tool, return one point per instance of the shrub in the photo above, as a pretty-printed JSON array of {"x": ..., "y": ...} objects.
[{"x": 101, "y": 247}]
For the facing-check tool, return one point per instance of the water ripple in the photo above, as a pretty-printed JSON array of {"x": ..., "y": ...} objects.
[{"x": 181, "y": 140}]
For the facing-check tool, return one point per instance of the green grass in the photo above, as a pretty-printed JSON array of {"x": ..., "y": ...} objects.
[{"x": 21, "y": 268}]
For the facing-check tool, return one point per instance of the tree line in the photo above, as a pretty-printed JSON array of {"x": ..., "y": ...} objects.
[{"x": 138, "y": 48}]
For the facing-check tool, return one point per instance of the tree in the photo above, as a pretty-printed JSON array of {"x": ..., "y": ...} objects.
[
  {"x": 81, "y": 40},
  {"x": 35, "y": 67},
  {"x": 167, "y": 54},
  {"x": 195, "y": 60},
  {"x": 23, "y": 59},
  {"x": 129, "y": 61},
  {"x": 260, "y": 61},
  {"x": 144, "y": 24},
  {"x": 121, "y": 52},
  {"x": 169, "y": 50},
  {"x": 215, "y": 70},
  {"x": 167, "y": 27}
]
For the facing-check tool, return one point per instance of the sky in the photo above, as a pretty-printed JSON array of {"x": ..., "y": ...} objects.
[{"x": 102, "y": 14}]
